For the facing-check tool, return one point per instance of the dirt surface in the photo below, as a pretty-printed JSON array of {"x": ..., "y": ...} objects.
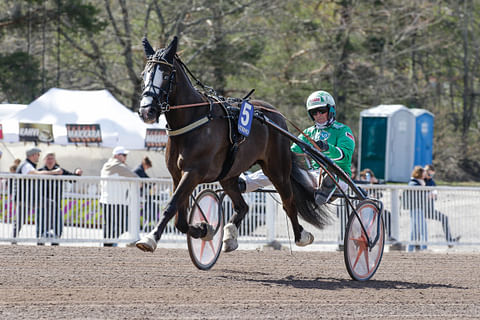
[{"x": 125, "y": 283}]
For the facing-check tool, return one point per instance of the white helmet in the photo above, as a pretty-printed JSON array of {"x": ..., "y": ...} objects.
[{"x": 320, "y": 99}]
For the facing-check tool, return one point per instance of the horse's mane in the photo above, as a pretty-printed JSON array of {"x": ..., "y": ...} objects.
[{"x": 262, "y": 104}]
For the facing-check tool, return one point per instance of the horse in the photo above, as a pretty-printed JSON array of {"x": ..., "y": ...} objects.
[{"x": 198, "y": 149}]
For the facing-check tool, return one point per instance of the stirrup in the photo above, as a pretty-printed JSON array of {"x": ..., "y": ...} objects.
[{"x": 323, "y": 195}]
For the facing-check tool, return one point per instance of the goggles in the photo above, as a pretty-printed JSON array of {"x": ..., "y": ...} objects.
[{"x": 321, "y": 110}]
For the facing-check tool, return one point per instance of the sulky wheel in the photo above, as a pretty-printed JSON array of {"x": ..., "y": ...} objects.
[
  {"x": 361, "y": 261},
  {"x": 206, "y": 208}
]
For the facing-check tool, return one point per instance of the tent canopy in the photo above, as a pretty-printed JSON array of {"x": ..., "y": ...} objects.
[
  {"x": 119, "y": 125},
  {"x": 7, "y": 110}
]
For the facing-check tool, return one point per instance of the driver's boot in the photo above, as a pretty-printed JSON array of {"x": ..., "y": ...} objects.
[{"x": 325, "y": 191}]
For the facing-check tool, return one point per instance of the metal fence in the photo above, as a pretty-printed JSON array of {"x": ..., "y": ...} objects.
[{"x": 71, "y": 209}]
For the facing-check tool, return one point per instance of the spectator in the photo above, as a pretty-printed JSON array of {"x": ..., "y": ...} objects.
[
  {"x": 114, "y": 195},
  {"x": 143, "y": 167},
  {"x": 353, "y": 168},
  {"x": 149, "y": 207},
  {"x": 51, "y": 218},
  {"x": 14, "y": 166},
  {"x": 368, "y": 176},
  {"x": 27, "y": 193},
  {"x": 431, "y": 212},
  {"x": 415, "y": 201}
]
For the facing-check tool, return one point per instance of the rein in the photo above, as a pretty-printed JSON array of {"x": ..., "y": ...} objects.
[
  {"x": 182, "y": 106},
  {"x": 166, "y": 107}
]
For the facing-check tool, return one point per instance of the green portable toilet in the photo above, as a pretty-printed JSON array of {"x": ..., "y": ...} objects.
[{"x": 387, "y": 142}]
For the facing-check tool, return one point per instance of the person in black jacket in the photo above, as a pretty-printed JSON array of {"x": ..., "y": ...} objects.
[
  {"x": 26, "y": 193},
  {"x": 51, "y": 217},
  {"x": 433, "y": 213},
  {"x": 149, "y": 205},
  {"x": 143, "y": 167}
]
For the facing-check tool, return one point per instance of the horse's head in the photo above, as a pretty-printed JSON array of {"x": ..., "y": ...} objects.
[{"x": 158, "y": 81}]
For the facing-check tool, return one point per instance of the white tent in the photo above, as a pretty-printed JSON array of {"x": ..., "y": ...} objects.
[
  {"x": 119, "y": 126},
  {"x": 7, "y": 110}
]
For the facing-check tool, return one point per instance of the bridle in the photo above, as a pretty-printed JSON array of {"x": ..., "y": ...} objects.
[{"x": 160, "y": 95}]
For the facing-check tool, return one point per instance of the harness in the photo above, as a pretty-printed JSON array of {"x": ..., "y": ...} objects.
[
  {"x": 163, "y": 105},
  {"x": 230, "y": 106}
]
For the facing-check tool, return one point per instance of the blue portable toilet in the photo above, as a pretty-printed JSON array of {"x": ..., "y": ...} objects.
[
  {"x": 423, "y": 137},
  {"x": 387, "y": 142}
]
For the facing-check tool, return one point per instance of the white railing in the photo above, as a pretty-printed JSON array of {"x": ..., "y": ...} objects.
[{"x": 69, "y": 209}]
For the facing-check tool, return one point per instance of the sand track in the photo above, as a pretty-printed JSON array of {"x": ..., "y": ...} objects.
[{"x": 125, "y": 283}]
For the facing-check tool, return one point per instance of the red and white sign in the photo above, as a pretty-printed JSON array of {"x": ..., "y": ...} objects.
[{"x": 156, "y": 138}]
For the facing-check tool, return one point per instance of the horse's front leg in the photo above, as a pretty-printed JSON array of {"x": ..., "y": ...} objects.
[
  {"x": 199, "y": 230},
  {"x": 230, "y": 235},
  {"x": 187, "y": 184}
]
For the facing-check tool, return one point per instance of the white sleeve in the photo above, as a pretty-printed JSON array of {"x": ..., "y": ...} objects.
[{"x": 27, "y": 168}]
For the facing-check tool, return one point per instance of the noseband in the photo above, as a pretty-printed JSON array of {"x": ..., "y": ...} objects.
[{"x": 159, "y": 92}]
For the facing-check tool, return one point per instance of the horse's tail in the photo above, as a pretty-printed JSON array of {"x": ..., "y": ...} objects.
[{"x": 303, "y": 192}]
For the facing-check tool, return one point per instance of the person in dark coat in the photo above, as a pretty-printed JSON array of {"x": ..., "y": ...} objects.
[
  {"x": 434, "y": 214},
  {"x": 143, "y": 167},
  {"x": 51, "y": 219},
  {"x": 25, "y": 190},
  {"x": 149, "y": 205}
]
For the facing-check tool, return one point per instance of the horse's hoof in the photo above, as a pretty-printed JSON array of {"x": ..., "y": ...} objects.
[
  {"x": 210, "y": 232},
  {"x": 306, "y": 238},
  {"x": 230, "y": 237},
  {"x": 230, "y": 245},
  {"x": 147, "y": 243}
]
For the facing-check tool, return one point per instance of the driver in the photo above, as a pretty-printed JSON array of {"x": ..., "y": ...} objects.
[{"x": 334, "y": 139}]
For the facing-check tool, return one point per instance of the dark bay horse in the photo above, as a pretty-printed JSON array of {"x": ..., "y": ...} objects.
[{"x": 198, "y": 146}]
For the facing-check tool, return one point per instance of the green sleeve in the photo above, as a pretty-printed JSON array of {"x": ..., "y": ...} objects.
[
  {"x": 295, "y": 147},
  {"x": 342, "y": 153}
]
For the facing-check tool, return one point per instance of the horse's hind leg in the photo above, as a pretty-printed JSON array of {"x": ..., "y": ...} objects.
[{"x": 230, "y": 236}]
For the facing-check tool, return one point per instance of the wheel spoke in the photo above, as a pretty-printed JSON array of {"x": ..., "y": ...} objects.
[
  {"x": 212, "y": 246},
  {"x": 362, "y": 246},
  {"x": 202, "y": 248}
]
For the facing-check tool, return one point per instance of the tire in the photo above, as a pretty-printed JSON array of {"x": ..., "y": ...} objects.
[
  {"x": 208, "y": 208},
  {"x": 361, "y": 262}
]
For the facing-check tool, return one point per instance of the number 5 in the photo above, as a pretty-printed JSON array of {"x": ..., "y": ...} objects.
[{"x": 245, "y": 117}]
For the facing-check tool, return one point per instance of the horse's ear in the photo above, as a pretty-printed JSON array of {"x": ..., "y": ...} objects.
[
  {"x": 147, "y": 47},
  {"x": 171, "y": 50}
]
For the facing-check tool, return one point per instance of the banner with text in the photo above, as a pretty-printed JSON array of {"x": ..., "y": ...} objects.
[
  {"x": 37, "y": 132},
  {"x": 156, "y": 138},
  {"x": 83, "y": 133}
]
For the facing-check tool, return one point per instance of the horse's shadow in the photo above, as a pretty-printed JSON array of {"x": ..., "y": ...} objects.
[{"x": 326, "y": 283}]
